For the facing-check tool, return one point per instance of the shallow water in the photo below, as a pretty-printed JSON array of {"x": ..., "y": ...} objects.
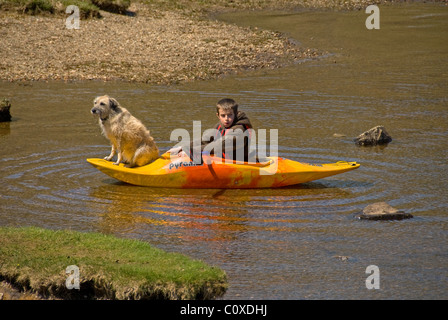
[{"x": 281, "y": 243}]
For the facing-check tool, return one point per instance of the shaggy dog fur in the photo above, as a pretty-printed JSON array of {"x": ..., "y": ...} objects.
[{"x": 128, "y": 136}]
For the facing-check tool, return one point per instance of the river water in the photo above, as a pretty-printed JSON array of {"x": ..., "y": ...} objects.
[{"x": 299, "y": 242}]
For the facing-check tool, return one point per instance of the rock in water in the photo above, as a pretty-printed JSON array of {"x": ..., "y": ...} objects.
[
  {"x": 5, "y": 115},
  {"x": 382, "y": 211},
  {"x": 339, "y": 135},
  {"x": 374, "y": 136}
]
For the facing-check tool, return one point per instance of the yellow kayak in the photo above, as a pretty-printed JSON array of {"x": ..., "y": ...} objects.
[{"x": 215, "y": 173}]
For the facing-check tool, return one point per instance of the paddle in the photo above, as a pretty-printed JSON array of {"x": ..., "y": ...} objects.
[{"x": 208, "y": 162}]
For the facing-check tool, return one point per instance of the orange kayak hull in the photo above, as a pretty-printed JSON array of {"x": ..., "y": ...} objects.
[{"x": 214, "y": 173}]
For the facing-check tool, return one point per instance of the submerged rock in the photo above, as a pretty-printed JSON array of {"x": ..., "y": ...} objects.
[
  {"x": 382, "y": 211},
  {"x": 342, "y": 258},
  {"x": 376, "y": 135},
  {"x": 339, "y": 135},
  {"x": 5, "y": 115}
]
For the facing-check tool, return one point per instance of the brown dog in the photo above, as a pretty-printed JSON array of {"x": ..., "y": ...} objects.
[{"x": 128, "y": 136}]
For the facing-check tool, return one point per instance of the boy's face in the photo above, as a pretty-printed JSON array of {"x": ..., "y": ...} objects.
[{"x": 226, "y": 117}]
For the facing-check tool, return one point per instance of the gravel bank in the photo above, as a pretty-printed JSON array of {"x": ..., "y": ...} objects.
[{"x": 152, "y": 47}]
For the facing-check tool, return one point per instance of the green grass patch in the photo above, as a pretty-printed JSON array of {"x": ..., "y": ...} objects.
[
  {"x": 117, "y": 6},
  {"x": 87, "y": 8},
  {"x": 36, "y": 259},
  {"x": 28, "y": 6}
]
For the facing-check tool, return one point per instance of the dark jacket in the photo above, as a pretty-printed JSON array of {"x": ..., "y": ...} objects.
[{"x": 237, "y": 138}]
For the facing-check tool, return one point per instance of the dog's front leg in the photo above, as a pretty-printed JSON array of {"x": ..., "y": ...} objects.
[
  {"x": 119, "y": 155},
  {"x": 112, "y": 153},
  {"x": 119, "y": 158}
]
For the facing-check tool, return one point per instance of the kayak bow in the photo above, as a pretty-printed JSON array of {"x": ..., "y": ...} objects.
[{"x": 215, "y": 173}]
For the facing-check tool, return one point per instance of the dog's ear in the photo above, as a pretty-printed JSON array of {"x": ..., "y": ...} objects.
[{"x": 114, "y": 104}]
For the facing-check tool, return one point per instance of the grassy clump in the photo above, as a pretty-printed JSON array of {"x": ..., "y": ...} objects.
[
  {"x": 116, "y": 6},
  {"x": 28, "y": 6},
  {"x": 37, "y": 6},
  {"x": 36, "y": 259},
  {"x": 88, "y": 8}
]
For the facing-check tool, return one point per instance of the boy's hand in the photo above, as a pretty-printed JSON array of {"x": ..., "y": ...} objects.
[{"x": 175, "y": 150}]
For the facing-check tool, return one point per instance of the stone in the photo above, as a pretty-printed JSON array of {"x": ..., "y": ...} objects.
[
  {"x": 5, "y": 115},
  {"x": 376, "y": 135},
  {"x": 382, "y": 211},
  {"x": 339, "y": 135},
  {"x": 342, "y": 258}
]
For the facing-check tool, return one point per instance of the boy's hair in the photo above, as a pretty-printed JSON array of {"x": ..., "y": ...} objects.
[{"x": 227, "y": 104}]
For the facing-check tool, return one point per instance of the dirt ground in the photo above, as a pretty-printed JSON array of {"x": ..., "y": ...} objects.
[
  {"x": 7, "y": 292},
  {"x": 146, "y": 46}
]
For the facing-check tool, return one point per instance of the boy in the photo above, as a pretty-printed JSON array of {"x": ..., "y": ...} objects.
[{"x": 231, "y": 136}]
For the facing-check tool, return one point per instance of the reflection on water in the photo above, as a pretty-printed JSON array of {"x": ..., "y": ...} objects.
[
  {"x": 275, "y": 243},
  {"x": 209, "y": 215},
  {"x": 4, "y": 128}
]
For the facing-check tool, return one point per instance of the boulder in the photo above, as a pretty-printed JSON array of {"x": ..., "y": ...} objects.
[
  {"x": 376, "y": 135},
  {"x": 5, "y": 115},
  {"x": 382, "y": 211}
]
